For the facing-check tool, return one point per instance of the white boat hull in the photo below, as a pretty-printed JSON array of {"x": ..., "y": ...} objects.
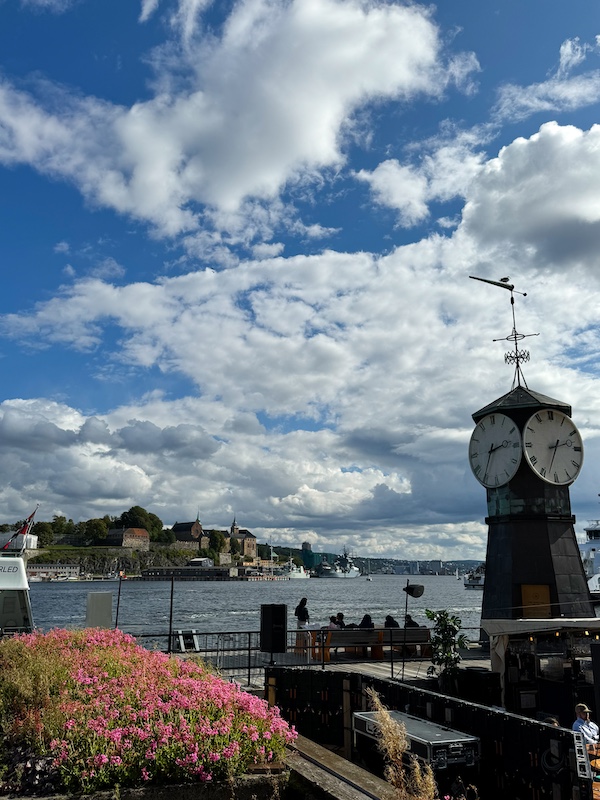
[
  {"x": 335, "y": 574},
  {"x": 474, "y": 584}
]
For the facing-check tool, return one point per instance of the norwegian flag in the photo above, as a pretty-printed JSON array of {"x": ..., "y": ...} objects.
[{"x": 23, "y": 530}]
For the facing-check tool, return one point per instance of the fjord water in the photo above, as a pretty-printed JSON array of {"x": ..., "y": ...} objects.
[{"x": 145, "y": 606}]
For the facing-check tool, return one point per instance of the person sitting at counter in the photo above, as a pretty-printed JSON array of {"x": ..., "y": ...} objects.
[{"x": 584, "y": 725}]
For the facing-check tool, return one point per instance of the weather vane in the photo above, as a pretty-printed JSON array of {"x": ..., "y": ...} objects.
[{"x": 516, "y": 356}]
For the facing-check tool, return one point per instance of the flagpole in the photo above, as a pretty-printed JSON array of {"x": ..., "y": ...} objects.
[
  {"x": 24, "y": 531},
  {"x": 29, "y": 527}
]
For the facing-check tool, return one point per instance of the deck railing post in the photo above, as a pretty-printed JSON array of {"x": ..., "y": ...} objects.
[
  {"x": 249, "y": 657},
  {"x": 169, "y": 648},
  {"x": 118, "y": 603}
]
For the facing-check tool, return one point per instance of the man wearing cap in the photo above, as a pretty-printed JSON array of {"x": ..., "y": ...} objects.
[{"x": 588, "y": 729}]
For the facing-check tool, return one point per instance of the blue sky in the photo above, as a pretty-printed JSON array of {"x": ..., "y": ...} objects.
[{"x": 236, "y": 240}]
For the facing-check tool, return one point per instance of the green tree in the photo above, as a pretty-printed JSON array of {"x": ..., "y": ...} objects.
[
  {"x": 216, "y": 541},
  {"x": 263, "y": 551},
  {"x": 44, "y": 532},
  {"x": 235, "y": 547},
  {"x": 138, "y": 517},
  {"x": 156, "y": 527},
  {"x": 95, "y": 530},
  {"x": 58, "y": 525},
  {"x": 166, "y": 536}
]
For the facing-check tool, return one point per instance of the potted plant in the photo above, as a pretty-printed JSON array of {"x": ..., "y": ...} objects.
[{"x": 446, "y": 641}]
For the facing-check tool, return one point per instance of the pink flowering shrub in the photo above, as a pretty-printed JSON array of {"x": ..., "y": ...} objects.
[{"x": 99, "y": 710}]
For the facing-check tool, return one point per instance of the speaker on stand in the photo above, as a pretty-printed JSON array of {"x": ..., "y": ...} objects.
[{"x": 273, "y": 629}]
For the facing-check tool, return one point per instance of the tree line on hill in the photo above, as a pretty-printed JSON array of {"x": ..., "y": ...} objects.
[{"x": 94, "y": 531}]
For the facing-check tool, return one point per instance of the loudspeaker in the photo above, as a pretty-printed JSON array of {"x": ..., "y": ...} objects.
[{"x": 273, "y": 628}]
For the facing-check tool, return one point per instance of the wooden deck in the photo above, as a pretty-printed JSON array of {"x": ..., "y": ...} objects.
[{"x": 412, "y": 669}]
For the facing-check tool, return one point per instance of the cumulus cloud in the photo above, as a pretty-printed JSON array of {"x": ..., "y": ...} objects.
[
  {"x": 539, "y": 197},
  {"x": 399, "y": 187},
  {"x": 445, "y": 169},
  {"x": 268, "y": 102},
  {"x": 324, "y": 396}
]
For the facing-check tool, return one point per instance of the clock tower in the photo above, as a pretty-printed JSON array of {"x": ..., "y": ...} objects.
[{"x": 526, "y": 451}]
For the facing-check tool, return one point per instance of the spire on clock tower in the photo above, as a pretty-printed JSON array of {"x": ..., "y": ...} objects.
[{"x": 514, "y": 356}]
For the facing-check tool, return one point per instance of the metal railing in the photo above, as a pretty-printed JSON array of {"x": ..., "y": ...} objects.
[{"x": 239, "y": 654}]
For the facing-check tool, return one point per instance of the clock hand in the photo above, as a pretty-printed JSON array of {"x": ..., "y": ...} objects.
[
  {"x": 491, "y": 451},
  {"x": 553, "y": 447},
  {"x": 505, "y": 443}
]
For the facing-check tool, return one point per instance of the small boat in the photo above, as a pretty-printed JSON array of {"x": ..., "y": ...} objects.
[{"x": 475, "y": 579}]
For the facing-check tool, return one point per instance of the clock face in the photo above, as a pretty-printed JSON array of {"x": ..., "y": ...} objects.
[
  {"x": 553, "y": 446},
  {"x": 495, "y": 450}
]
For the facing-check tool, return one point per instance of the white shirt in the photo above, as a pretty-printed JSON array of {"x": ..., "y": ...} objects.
[{"x": 588, "y": 729}]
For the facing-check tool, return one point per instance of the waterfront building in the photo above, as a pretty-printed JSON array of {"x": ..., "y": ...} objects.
[
  {"x": 52, "y": 572},
  {"x": 135, "y": 538},
  {"x": 192, "y": 536},
  {"x": 246, "y": 540}
]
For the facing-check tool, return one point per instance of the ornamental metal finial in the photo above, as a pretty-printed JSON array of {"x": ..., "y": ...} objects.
[{"x": 516, "y": 356}]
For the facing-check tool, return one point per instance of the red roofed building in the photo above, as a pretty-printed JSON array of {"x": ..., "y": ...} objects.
[{"x": 135, "y": 538}]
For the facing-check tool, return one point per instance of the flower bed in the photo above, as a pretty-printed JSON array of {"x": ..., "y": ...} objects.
[{"x": 87, "y": 710}]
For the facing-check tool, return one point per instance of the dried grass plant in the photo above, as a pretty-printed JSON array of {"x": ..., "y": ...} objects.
[{"x": 409, "y": 778}]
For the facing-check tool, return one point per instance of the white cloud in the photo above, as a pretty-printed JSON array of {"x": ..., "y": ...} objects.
[
  {"x": 517, "y": 102},
  {"x": 332, "y": 392},
  {"x": 148, "y": 9},
  {"x": 399, "y": 187},
  {"x": 56, "y": 6},
  {"x": 186, "y": 18},
  {"x": 572, "y": 53},
  {"x": 445, "y": 169},
  {"x": 107, "y": 268},
  {"x": 539, "y": 197},
  {"x": 560, "y": 93},
  {"x": 269, "y": 103},
  {"x": 267, "y": 250}
]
